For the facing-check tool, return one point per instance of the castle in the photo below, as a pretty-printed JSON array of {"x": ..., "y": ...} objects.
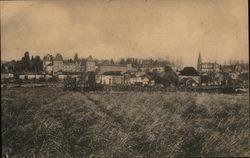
[{"x": 56, "y": 65}]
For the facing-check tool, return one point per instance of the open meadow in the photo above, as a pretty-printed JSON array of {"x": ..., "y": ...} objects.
[{"x": 50, "y": 122}]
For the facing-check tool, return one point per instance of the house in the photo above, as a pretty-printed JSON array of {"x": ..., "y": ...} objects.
[
  {"x": 27, "y": 76},
  {"x": 22, "y": 76},
  {"x": 62, "y": 76},
  {"x": 106, "y": 79},
  {"x": 65, "y": 75},
  {"x": 112, "y": 78},
  {"x": 7, "y": 75},
  {"x": 136, "y": 79},
  {"x": 143, "y": 80},
  {"x": 158, "y": 69},
  {"x": 39, "y": 76},
  {"x": 31, "y": 76}
]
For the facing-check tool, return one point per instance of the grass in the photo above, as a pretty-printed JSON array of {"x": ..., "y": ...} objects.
[{"x": 47, "y": 122}]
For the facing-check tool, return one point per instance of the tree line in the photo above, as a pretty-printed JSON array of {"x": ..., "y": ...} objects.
[{"x": 26, "y": 64}]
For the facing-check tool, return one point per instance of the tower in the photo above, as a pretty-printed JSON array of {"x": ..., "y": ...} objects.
[
  {"x": 199, "y": 63},
  {"x": 47, "y": 63},
  {"x": 57, "y": 64}
]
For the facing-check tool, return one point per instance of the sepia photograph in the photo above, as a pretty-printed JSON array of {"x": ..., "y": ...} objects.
[{"x": 124, "y": 78}]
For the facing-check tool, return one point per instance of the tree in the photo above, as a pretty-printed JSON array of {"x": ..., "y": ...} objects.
[
  {"x": 3, "y": 68},
  {"x": 91, "y": 82},
  {"x": 32, "y": 64},
  {"x": 76, "y": 57},
  {"x": 112, "y": 61},
  {"x": 189, "y": 71},
  {"x": 38, "y": 64},
  {"x": 155, "y": 76},
  {"x": 25, "y": 61},
  {"x": 35, "y": 64},
  {"x": 19, "y": 67},
  {"x": 166, "y": 78},
  {"x": 122, "y": 61},
  {"x": 169, "y": 77}
]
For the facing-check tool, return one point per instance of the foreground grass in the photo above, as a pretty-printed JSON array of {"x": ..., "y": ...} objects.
[{"x": 52, "y": 123}]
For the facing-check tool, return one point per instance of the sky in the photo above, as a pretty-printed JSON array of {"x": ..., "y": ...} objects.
[{"x": 105, "y": 29}]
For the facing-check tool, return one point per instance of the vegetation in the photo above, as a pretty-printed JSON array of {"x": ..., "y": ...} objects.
[
  {"x": 35, "y": 65},
  {"x": 49, "y": 122},
  {"x": 189, "y": 71}
]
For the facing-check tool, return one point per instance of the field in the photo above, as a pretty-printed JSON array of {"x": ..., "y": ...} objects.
[{"x": 49, "y": 122}]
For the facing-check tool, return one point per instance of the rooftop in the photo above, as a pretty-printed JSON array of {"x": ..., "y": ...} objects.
[
  {"x": 113, "y": 73},
  {"x": 58, "y": 57}
]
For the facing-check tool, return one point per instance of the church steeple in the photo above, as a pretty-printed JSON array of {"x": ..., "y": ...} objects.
[{"x": 199, "y": 63}]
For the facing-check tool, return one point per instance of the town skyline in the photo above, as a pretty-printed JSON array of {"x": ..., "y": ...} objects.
[
  {"x": 178, "y": 61},
  {"x": 116, "y": 29}
]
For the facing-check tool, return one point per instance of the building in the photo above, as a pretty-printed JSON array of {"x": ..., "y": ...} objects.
[
  {"x": 48, "y": 77},
  {"x": 57, "y": 64},
  {"x": 48, "y": 64},
  {"x": 139, "y": 80},
  {"x": 189, "y": 77},
  {"x": 121, "y": 68},
  {"x": 71, "y": 66},
  {"x": 39, "y": 76},
  {"x": 158, "y": 69},
  {"x": 210, "y": 67},
  {"x": 7, "y": 76},
  {"x": 106, "y": 79},
  {"x": 90, "y": 64},
  {"x": 227, "y": 68},
  {"x": 112, "y": 78},
  {"x": 207, "y": 67},
  {"x": 31, "y": 76}
]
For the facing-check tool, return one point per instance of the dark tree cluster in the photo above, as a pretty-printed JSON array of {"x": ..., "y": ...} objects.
[
  {"x": 144, "y": 62},
  {"x": 26, "y": 64},
  {"x": 189, "y": 71},
  {"x": 167, "y": 78}
]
